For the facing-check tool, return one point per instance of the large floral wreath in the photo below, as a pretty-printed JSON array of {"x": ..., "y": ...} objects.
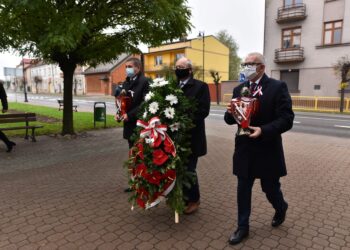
[{"x": 161, "y": 147}]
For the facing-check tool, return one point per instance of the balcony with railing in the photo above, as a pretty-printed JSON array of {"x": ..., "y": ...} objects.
[
  {"x": 291, "y": 13},
  {"x": 289, "y": 55}
]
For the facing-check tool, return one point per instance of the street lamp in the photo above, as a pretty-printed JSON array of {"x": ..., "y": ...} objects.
[
  {"x": 201, "y": 34},
  {"x": 24, "y": 82}
]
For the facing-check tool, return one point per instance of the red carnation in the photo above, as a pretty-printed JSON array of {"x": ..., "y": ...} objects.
[
  {"x": 170, "y": 174},
  {"x": 159, "y": 157}
]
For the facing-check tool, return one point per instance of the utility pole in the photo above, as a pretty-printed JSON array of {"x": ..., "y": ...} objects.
[
  {"x": 24, "y": 82},
  {"x": 201, "y": 34}
]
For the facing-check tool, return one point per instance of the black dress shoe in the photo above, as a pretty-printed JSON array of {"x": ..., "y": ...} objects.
[
  {"x": 279, "y": 217},
  {"x": 127, "y": 190},
  {"x": 238, "y": 236},
  {"x": 10, "y": 146}
]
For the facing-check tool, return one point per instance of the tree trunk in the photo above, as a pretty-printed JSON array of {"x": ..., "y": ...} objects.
[
  {"x": 217, "y": 93},
  {"x": 342, "y": 93},
  {"x": 68, "y": 71}
]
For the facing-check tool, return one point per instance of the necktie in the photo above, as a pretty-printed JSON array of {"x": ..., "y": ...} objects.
[
  {"x": 182, "y": 84},
  {"x": 253, "y": 86}
]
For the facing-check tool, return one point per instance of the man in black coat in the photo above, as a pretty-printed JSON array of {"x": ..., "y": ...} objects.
[
  {"x": 199, "y": 91},
  {"x": 260, "y": 155},
  {"x": 136, "y": 86},
  {"x": 3, "y": 98}
]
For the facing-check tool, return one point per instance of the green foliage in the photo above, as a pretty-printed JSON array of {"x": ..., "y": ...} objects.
[
  {"x": 216, "y": 77},
  {"x": 71, "y": 32},
  {"x": 342, "y": 68},
  {"x": 89, "y": 31},
  {"x": 162, "y": 92},
  {"x": 234, "y": 60},
  {"x": 51, "y": 119}
]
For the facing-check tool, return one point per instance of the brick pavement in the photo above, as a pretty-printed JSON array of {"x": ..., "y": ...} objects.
[{"x": 67, "y": 194}]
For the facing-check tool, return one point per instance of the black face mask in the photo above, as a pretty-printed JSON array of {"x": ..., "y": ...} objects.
[{"x": 182, "y": 73}]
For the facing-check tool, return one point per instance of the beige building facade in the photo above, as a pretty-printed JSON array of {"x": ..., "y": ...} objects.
[{"x": 303, "y": 40}]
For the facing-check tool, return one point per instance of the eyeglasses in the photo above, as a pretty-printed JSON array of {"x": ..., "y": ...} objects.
[{"x": 250, "y": 64}]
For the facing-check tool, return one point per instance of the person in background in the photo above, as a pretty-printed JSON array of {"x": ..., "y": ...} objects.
[{"x": 3, "y": 137}]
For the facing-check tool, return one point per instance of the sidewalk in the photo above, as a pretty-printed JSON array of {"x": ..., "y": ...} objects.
[{"x": 68, "y": 194}]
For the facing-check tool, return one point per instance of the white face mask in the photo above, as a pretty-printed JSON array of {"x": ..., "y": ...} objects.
[{"x": 249, "y": 72}]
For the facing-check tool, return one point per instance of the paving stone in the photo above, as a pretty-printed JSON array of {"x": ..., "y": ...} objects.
[{"x": 80, "y": 203}]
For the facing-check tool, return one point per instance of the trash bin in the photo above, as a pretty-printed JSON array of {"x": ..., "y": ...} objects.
[{"x": 100, "y": 113}]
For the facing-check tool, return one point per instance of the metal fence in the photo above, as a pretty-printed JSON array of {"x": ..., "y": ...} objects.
[{"x": 312, "y": 103}]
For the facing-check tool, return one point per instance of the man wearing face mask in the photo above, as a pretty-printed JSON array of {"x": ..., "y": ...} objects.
[
  {"x": 260, "y": 155},
  {"x": 136, "y": 86},
  {"x": 199, "y": 91}
]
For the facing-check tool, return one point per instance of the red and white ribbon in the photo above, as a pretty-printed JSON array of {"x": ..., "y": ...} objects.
[
  {"x": 162, "y": 196},
  {"x": 258, "y": 91}
]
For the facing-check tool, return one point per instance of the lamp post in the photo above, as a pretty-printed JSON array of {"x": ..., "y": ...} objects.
[
  {"x": 24, "y": 82},
  {"x": 201, "y": 34}
]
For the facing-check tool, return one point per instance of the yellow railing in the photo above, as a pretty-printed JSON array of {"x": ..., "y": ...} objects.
[{"x": 312, "y": 103}]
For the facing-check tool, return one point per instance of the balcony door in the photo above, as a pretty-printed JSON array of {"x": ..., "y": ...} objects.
[
  {"x": 291, "y": 3},
  {"x": 291, "y": 38},
  {"x": 291, "y": 77}
]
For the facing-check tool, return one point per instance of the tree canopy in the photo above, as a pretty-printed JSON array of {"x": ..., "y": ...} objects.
[
  {"x": 235, "y": 60},
  {"x": 78, "y": 32}
]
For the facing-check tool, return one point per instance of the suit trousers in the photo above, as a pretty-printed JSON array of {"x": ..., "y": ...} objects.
[
  {"x": 192, "y": 194},
  {"x": 4, "y": 138},
  {"x": 272, "y": 190}
]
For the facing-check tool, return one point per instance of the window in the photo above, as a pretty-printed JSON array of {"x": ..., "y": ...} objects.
[
  {"x": 291, "y": 38},
  {"x": 158, "y": 60},
  {"x": 332, "y": 32},
  {"x": 292, "y": 2}
]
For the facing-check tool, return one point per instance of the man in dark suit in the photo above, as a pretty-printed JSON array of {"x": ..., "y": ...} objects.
[
  {"x": 136, "y": 86},
  {"x": 199, "y": 91},
  {"x": 3, "y": 137},
  {"x": 260, "y": 155}
]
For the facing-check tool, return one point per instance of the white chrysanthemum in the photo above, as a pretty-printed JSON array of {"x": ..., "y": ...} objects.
[
  {"x": 172, "y": 99},
  {"x": 163, "y": 83},
  {"x": 153, "y": 107},
  {"x": 169, "y": 113},
  {"x": 158, "y": 82},
  {"x": 149, "y": 96},
  {"x": 174, "y": 127}
]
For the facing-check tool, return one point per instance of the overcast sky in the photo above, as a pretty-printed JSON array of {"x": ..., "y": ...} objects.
[{"x": 243, "y": 19}]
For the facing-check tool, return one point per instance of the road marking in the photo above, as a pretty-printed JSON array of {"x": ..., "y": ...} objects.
[
  {"x": 296, "y": 122},
  {"x": 341, "y": 126},
  {"x": 216, "y": 114},
  {"x": 317, "y": 118}
]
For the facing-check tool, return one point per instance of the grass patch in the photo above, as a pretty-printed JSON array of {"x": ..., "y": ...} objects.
[{"x": 51, "y": 119}]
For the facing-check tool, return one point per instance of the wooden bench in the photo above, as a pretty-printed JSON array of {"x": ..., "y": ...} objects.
[
  {"x": 22, "y": 117},
  {"x": 61, "y": 105}
]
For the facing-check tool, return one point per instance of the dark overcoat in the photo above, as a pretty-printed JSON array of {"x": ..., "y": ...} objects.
[
  {"x": 3, "y": 97},
  {"x": 199, "y": 91},
  {"x": 263, "y": 157},
  {"x": 137, "y": 88}
]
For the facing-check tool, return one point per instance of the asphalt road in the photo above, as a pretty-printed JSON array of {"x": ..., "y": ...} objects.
[{"x": 305, "y": 122}]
